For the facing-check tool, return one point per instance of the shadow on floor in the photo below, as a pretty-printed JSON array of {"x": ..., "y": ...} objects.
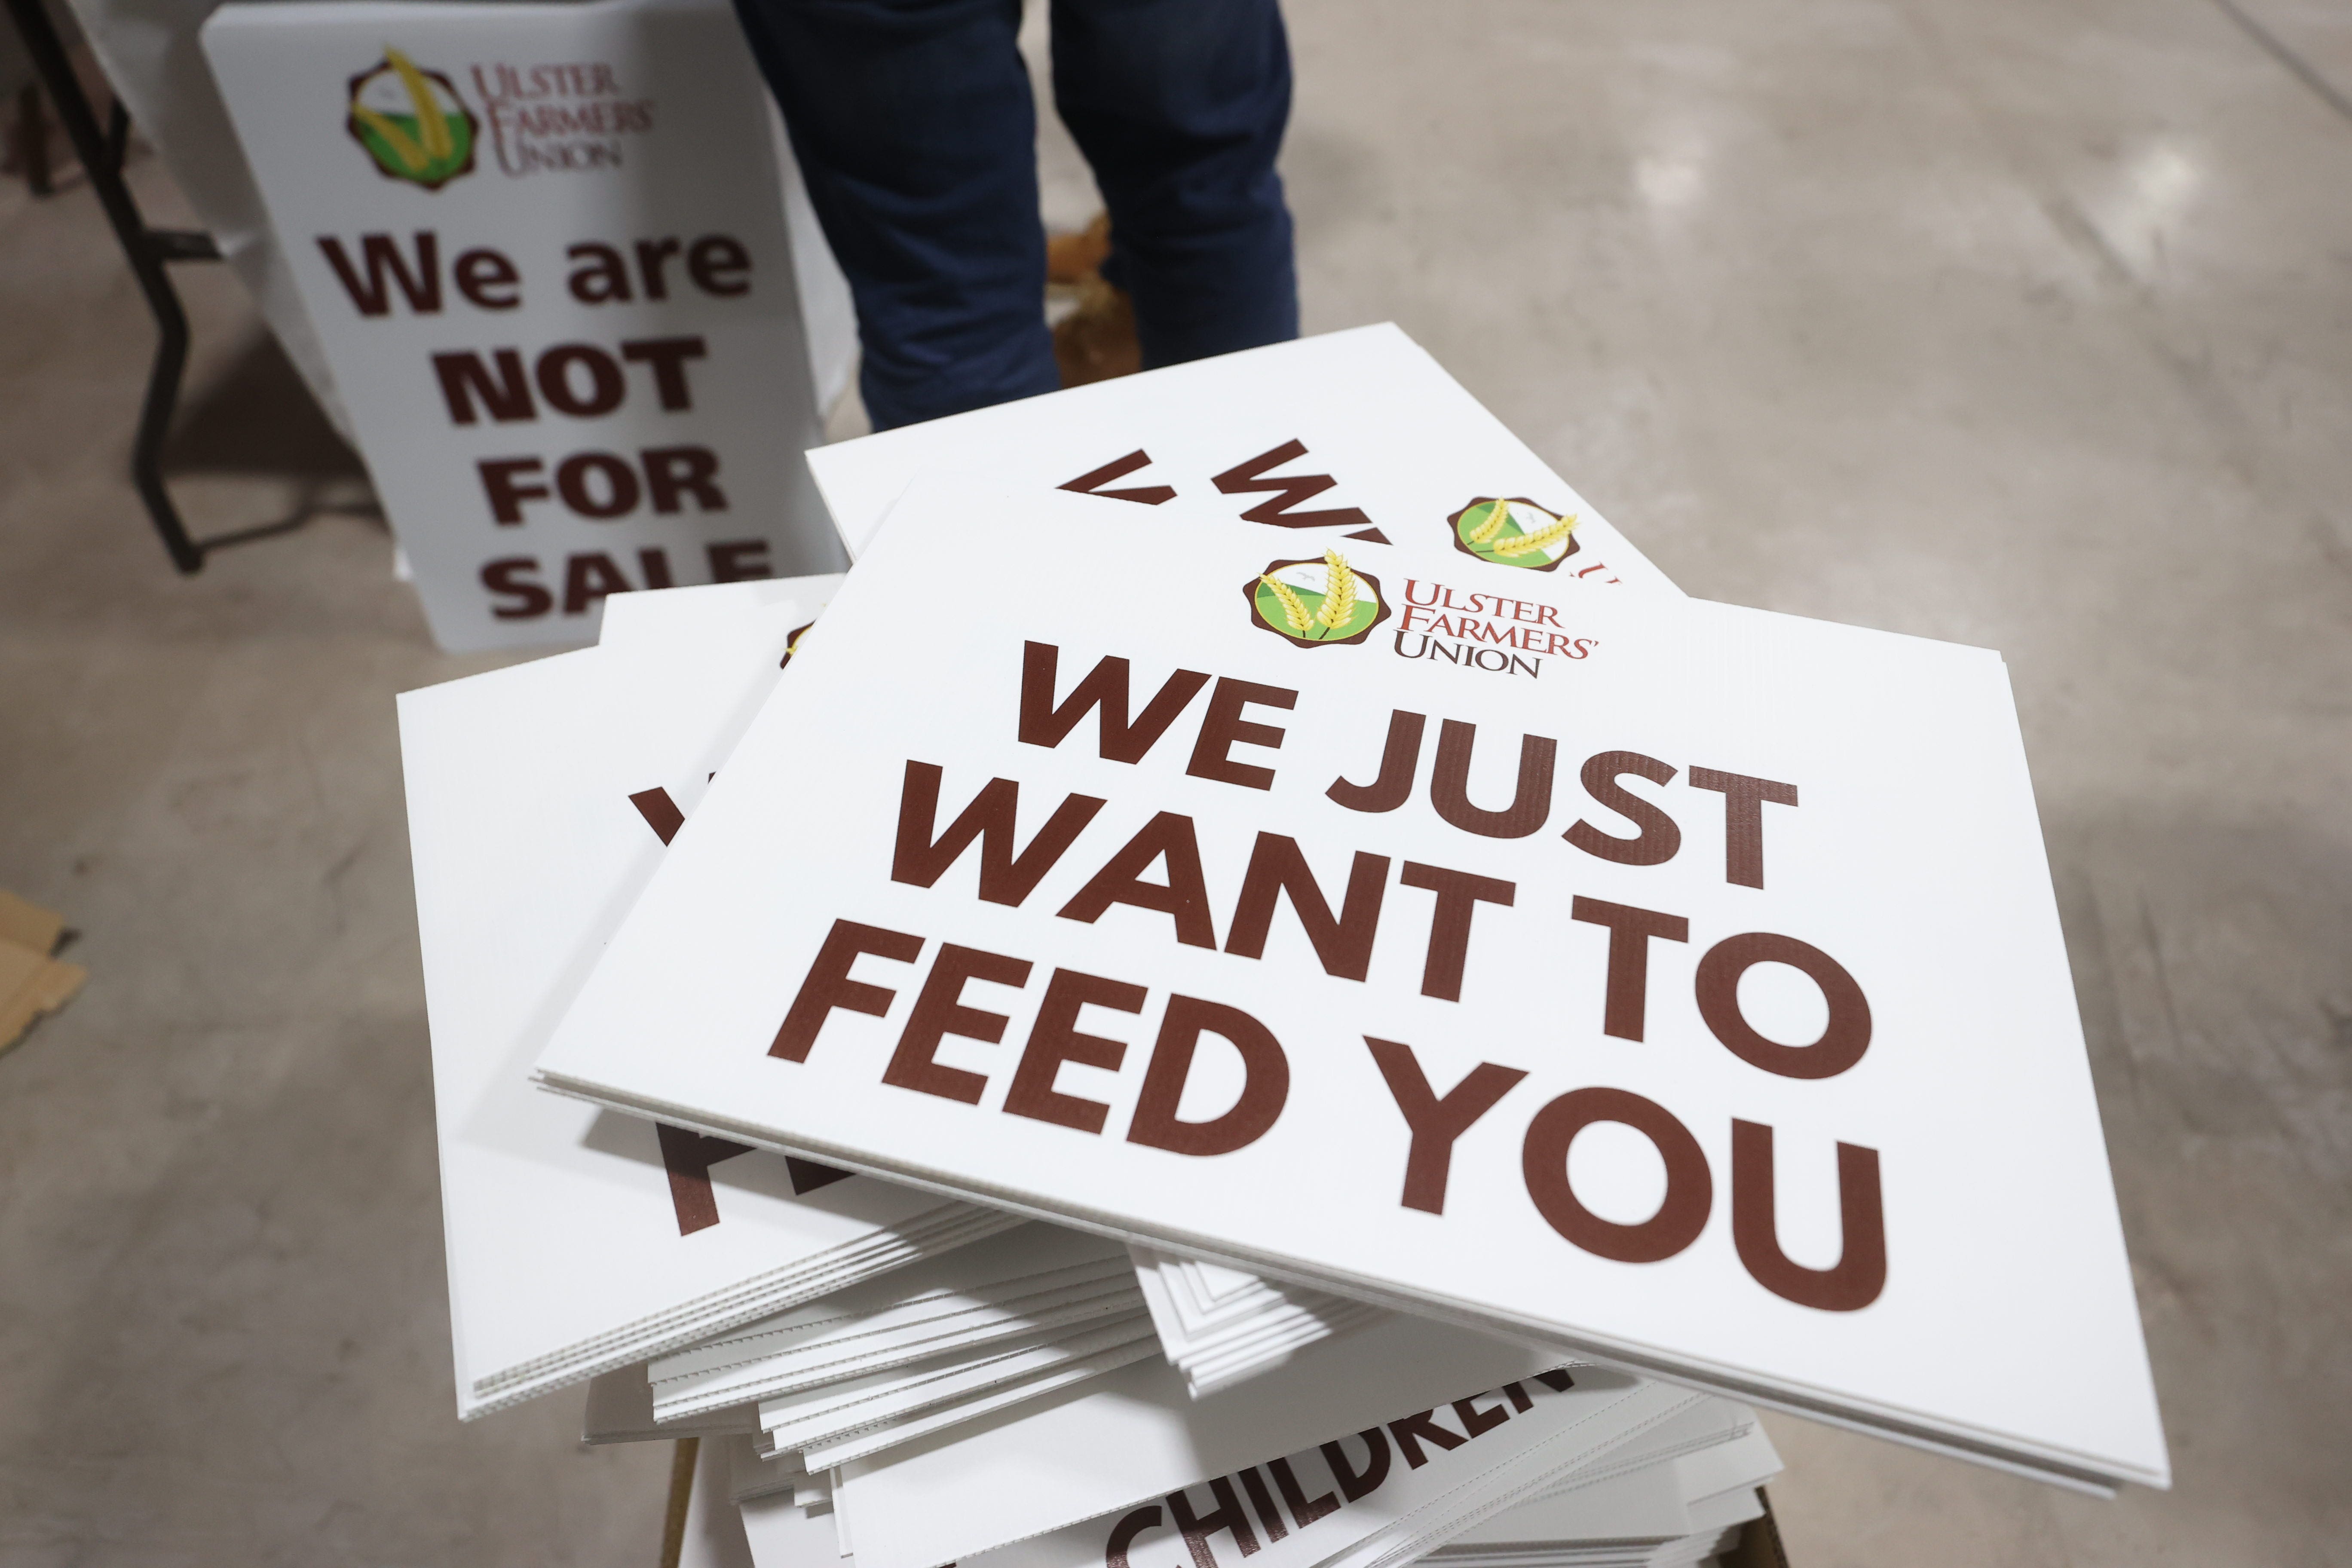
[{"x": 257, "y": 419}]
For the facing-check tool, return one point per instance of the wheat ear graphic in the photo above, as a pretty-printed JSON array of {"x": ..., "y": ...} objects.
[
  {"x": 432, "y": 125},
  {"x": 404, "y": 147},
  {"x": 1293, "y": 610},
  {"x": 1499, "y": 512},
  {"x": 1338, "y": 592},
  {"x": 1542, "y": 538}
]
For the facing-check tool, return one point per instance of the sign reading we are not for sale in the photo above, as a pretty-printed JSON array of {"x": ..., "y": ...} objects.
[
  {"x": 1698, "y": 994},
  {"x": 547, "y": 251}
]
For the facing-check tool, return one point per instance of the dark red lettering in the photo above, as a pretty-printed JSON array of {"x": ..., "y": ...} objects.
[
  {"x": 1005, "y": 877},
  {"x": 1625, "y": 1004},
  {"x": 667, "y": 357},
  {"x": 1196, "y": 1530},
  {"x": 1449, "y": 785},
  {"x": 588, "y": 577},
  {"x": 673, "y": 473},
  {"x": 1123, "y": 1534},
  {"x": 688, "y": 1157},
  {"x": 1266, "y": 1085},
  {"x": 1860, "y": 1273},
  {"x": 1458, "y": 895},
  {"x": 1250, "y": 476},
  {"x": 1261, "y": 1499},
  {"x": 1090, "y": 483},
  {"x": 718, "y": 265},
  {"x": 1409, "y": 1431},
  {"x": 1476, "y": 1421},
  {"x": 502, "y": 482},
  {"x": 1400, "y": 756},
  {"x": 620, "y": 486},
  {"x": 940, "y": 1012},
  {"x": 1355, "y": 1485},
  {"x": 1055, "y": 1038},
  {"x": 1305, "y": 1510},
  {"x": 1183, "y": 898},
  {"x": 1223, "y": 728},
  {"x": 1744, "y": 799},
  {"x": 1659, "y": 837},
  {"x": 607, "y": 386},
  {"x": 372, "y": 296},
  {"x": 652, "y": 256},
  {"x": 1845, "y": 1038},
  {"x": 1437, "y": 1124},
  {"x": 1690, "y": 1189},
  {"x": 481, "y": 273},
  {"x": 506, "y": 578},
  {"x": 604, "y": 277},
  {"x": 463, "y": 377},
  {"x": 1343, "y": 943},
  {"x": 1046, "y": 723},
  {"x": 827, "y": 985}
]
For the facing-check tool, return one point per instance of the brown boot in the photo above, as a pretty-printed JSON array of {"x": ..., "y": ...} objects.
[
  {"x": 1097, "y": 340},
  {"x": 1072, "y": 258}
]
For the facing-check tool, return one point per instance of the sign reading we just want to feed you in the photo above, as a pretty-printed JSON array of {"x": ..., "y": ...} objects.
[
  {"x": 1690, "y": 992},
  {"x": 578, "y": 326}
]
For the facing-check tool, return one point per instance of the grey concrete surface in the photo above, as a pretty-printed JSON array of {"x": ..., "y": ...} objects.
[{"x": 2025, "y": 322}]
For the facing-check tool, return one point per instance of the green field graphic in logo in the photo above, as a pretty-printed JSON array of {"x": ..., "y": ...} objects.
[
  {"x": 1512, "y": 530},
  {"x": 1320, "y": 603},
  {"x": 412, "y": 122}
]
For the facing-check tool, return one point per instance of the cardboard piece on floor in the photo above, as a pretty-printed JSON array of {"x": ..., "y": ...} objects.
[
  {"x": 1977, "y": 1302},
  {"x": 26, "y": 924},
  {"x": 579, "y": 1240},
  {"x": 1356, "y": 440},
  {"x": 33, "y": 980}
]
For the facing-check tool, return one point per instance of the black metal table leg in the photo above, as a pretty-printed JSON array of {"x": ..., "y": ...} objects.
[{"x": 148, "y": 250}]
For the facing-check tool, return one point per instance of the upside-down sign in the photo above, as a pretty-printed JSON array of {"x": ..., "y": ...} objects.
[{"x": 547, "y": 250}]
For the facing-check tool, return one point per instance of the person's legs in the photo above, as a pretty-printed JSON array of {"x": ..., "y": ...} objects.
[
  {"x": 914, "y": 128},
  {"x": 1180, "y": 106}
]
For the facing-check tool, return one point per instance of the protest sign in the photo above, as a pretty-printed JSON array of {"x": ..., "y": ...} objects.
[
  {"x": 547, "y": 252},
  {"x": 1688, "y": 992}
]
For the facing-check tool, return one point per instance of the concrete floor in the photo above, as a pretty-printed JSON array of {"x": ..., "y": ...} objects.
[{"x": 2025, "y": 322}]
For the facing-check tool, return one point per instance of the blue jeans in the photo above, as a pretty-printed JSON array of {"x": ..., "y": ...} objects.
[{"x": 915, "y": 132}]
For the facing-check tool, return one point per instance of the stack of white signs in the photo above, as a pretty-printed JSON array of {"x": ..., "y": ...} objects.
[
  {"x": 1256, "y": 815},
  {"x": 1277, "y": 963}
]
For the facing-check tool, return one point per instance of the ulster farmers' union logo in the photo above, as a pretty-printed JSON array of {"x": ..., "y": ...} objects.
[
  {"x": 1316, "y": 603},
  {"x": 412, "y": 122},
  {"x": 1512, "y": 530}
]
